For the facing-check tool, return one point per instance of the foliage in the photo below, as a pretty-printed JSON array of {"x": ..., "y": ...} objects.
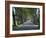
[{"x": 24, "y": 14}]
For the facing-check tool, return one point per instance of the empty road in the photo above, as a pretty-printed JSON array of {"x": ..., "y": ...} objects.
[{"x": 28, "y": 25}]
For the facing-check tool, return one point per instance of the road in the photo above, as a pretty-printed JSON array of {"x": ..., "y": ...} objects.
[{"x": 28, "y": 25}]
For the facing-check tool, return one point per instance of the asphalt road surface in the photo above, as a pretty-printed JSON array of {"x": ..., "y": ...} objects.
[{"x": 28, "y": 25}]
